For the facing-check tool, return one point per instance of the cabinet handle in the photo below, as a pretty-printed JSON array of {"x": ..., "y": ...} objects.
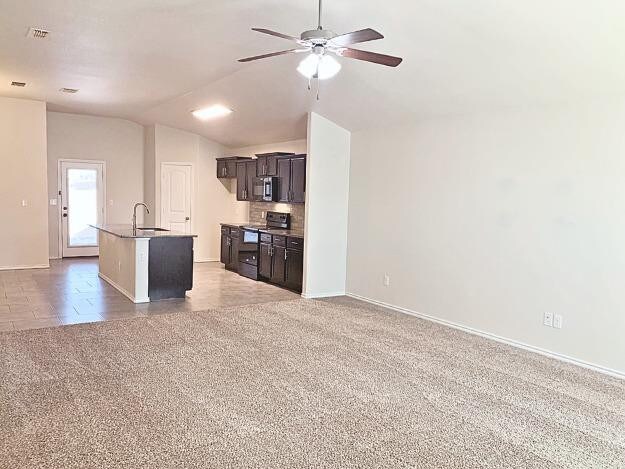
[{"x": 285, "y": 254}]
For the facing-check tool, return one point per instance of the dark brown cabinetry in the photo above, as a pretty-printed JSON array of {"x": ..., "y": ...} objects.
[
  {"x": 227, "y": 166},
  {"x": 292, "y": 173},
  {"x": 246, "y": 172},
  {"x": 281, "y": 260},
  {"x": 230, "y": 247},
  {"x": 266, "y": 164}
]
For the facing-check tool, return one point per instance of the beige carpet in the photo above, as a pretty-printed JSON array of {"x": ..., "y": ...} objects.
[{"x": 296, "y": 384}]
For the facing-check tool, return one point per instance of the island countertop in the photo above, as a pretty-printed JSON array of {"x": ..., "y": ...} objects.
[{"x": 126, "y": 231}]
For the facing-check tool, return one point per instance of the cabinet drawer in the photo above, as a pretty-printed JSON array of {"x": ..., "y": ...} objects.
[
  {"x": 234, "y": 232},
  {"x": 265, "y": 238},
  {"x": 295, "y": 243},
  {"x": 225, "y": 230},
  {"x": 279, "y": 240}
]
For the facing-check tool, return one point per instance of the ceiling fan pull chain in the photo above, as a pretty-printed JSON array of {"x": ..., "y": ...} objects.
[
  {"x": 309, "y": 83},
  {"x": 318, "y": 85}
]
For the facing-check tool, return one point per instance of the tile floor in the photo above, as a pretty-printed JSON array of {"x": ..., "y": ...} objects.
[{"x": 70, "y": 292}]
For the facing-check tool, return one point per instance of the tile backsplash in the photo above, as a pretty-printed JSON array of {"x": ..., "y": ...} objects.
[{"x": 296, "y": 211}]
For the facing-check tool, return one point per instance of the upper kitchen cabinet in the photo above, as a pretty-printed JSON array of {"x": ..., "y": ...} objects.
[
  {"x": 292, "y": 173},
  {"x": 267, "y": 163},
  {"x": 227, "y": 166},
  {"x": 246, "y": 172}
]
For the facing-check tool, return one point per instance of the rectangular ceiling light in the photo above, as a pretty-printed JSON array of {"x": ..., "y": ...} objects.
[{"x": 212, "y": 112}]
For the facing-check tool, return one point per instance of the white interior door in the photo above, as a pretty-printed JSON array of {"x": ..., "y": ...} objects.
[
  {"x": 176, "y": 195},
  {"x": 82, "y": 204}
]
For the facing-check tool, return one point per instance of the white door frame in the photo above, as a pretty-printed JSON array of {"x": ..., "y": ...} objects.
[
  {"x": 191, "y": 200},
  {"x": 59, "y": 210}
]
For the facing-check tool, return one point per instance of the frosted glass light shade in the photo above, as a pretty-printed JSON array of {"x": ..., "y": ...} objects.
[{"x": 324, "y": 66}]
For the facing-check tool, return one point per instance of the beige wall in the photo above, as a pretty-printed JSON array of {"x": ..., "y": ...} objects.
[
  {"x": 490, "y": 221},
  {"x": 295, "y": 146},
  {"x": 149, "y": 174},
  {"x": 214, "y": 201},
  {"x": 23, "y": 166},
  {"x": 117, "y": 142},
  {"x": 327, "y": 193}
]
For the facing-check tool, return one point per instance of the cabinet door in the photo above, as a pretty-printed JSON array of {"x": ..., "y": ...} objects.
[
  {"x": 294, "y": 269},
  {"x": 298, "y": 180},
  {"x": 271, "y": 166},
  {"x": 277, "y": 271},
  {"x": 241, "y": 181},
  {"x": 234, "y": 254},
  {"x": 261, "y": 166},
  {"x": 250, "y": 168},
  {"x": 264, "y": 260},
  {"x": 225, "y": 249},
  {"x": 221, "y": 169},
  {"x": 284, "y": 173},
  {"x": 231, "y": 168}
]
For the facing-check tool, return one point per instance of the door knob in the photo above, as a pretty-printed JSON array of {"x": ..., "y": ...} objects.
[
  {"x": 65, "y": 215},
  {"x": 187, "y": 218}
]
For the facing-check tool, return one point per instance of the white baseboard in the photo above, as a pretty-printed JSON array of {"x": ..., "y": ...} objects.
[
  {"x": 123, "y": 291},
  {"x": 311, "y": 296},
  {"x": 24, "y": 267},
  {"x": 200, "y": 261},
  {"x": 55, "y": 258},
  {"x": 488, "y": 335}
]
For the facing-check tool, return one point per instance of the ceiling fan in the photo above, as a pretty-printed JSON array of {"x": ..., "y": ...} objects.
[{"x": 323, "y": 42}]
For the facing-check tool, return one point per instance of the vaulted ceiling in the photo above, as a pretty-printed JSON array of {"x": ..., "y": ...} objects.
[{"x": 153, "y": 61}]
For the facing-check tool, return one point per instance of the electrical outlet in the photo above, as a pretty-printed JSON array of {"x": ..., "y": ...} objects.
[
  {"x": 548, "y": 319},
  {"x": 386, "y": 280},
  {"x": 557, "y": 321}
]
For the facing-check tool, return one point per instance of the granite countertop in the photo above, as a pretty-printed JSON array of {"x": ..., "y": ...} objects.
[
  {"x": 125, "y": 231},
  {"x": 264, "y": 229},
  {"x": 291, "y": 233}
]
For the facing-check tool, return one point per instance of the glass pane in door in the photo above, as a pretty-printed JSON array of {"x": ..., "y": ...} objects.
[{"x": 82, "y": 197}]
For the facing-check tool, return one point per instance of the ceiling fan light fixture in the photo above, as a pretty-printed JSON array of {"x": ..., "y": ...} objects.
[
  {"x": 211, "y": 112},
  {"x": 321, "y": 66}
]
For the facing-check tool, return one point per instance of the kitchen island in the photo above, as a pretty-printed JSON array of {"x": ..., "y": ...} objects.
[{"x": 146, "y": 264}]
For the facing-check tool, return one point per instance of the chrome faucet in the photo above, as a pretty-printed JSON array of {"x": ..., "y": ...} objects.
[{"x": 134, "y": 215}]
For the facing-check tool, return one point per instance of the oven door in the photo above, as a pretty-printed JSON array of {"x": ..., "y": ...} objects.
[{"x": 248, "y": 247}]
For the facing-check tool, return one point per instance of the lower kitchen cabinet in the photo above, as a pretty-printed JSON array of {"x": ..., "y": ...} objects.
[
  {"x": 282, "y": 265},
  {"x": 294, "y": 269},
  {"x": 264, "y": 260},
  {"x": 230, "y": 248}
]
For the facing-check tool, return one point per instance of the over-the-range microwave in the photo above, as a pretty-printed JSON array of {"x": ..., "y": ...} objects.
[{"x": 266, "y": 189}]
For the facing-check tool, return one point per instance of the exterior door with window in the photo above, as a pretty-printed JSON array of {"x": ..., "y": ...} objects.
[{"x": 82, "y": 204}]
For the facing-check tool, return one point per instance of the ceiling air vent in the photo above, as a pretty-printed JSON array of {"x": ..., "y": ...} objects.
[
  {"x": 21, "y": 84},
  {"x": 37, "y": 33},
  {"x": 69, "y": 90}
]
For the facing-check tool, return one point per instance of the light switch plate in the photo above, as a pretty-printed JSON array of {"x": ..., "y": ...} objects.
[
  {"x": 24, "y": 203},
  {"x": 548, "y": 319}
]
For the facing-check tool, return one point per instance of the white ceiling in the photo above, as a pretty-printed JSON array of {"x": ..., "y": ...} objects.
[{"x": 156, "y": 60}]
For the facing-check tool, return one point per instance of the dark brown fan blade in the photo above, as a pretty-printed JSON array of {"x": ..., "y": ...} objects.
[
  {"x": 271, "y": 54},
  {"x": 354, "y": 37},
  {"x": 367, "y": 56},
  {"x": 274, "y": 33}
]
